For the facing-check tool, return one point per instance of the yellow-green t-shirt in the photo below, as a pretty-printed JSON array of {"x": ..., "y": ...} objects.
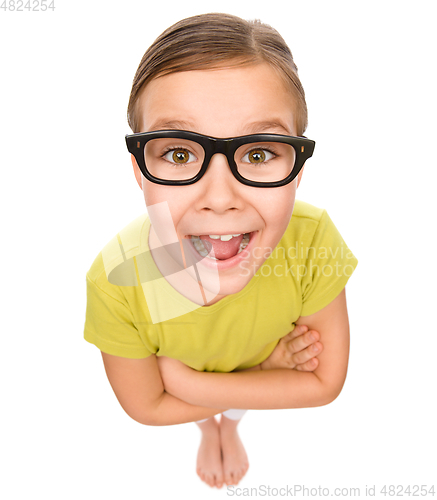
[{"x": 141, "y": 316}]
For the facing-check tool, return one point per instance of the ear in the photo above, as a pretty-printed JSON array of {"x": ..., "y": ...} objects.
[
  {"x": 299, "y": 176},
  {"x": 137, "y": 171}
]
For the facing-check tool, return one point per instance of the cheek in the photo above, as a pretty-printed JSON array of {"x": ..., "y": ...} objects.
[
  {"x": 169, "y": 205},
  {"x": 155, "y": 193},
  {"x": 278, "y": 206}
]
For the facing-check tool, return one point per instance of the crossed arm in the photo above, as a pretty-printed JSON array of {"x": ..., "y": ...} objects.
[
  {"x": 163, "y": 391},
  {"x": 274, "y": 388}
]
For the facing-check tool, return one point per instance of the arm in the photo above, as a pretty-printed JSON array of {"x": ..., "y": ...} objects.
[
  {"x": 298, "y": 350},
  {"x": 139, "y": 389},
  {"x": 274, "y": 389}
]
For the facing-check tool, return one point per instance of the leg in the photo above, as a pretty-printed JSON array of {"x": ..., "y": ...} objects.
[
  {"x": 235, "y": 462},
  {"x": 209, "y": 460}
]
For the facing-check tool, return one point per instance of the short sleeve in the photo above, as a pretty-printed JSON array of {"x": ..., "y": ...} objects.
[
  {"x": 329, "y": 265},
  {"x": 109, "y": 324}
]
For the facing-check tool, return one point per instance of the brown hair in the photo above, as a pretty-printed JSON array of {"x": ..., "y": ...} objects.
[{"x": 209, "y": 41}]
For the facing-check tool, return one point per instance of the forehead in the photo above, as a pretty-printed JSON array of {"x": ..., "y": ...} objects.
[{"x": 221, "y": 102}]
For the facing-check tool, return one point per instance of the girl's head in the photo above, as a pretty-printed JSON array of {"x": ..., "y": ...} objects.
[
  {"x": 212, "y": 41},
  {"x": 221, "y": 77}
]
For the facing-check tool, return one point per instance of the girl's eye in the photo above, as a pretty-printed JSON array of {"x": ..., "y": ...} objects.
[
  {"x": 179, "y": 156},
  {"x": 257, "y": 156}
]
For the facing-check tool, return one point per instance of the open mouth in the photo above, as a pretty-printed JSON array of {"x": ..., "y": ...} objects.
[{"x": 220, "y": 247}]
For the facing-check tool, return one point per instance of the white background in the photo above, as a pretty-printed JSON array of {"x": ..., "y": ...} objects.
[{"x": 368, "y": 69}]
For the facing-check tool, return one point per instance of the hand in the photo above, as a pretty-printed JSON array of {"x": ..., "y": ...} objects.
[
  {"x": 174, "y": 374},
  {"x": 297, "y": 350}
]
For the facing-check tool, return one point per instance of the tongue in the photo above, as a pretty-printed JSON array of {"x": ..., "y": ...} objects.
[{"x": 222, "y": 249}]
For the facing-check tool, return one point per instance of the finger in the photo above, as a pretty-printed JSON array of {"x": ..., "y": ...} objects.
[
  {"x": 303, "y": 341},
  {"x": 298, "y": 330},
  {"x": 309, "y": 366},
  {"x": 310, "y": 352}
]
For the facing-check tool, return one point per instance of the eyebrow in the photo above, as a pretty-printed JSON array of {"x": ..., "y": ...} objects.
[
  {"x": 251, "y": 128},
  {"x": 172, "y": 124},
  {"x": 259, "y": 127}
]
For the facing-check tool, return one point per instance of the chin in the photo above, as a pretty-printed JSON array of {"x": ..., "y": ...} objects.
[{"x": 232, "y": 286}]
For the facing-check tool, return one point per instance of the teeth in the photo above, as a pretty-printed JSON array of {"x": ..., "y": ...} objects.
[
  {"x": 198, "y": 244},
  {"x": 244, "y": 242},
  {"x": 223, "y": 237}
]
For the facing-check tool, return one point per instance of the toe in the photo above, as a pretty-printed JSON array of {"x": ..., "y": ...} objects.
[{"x": 217, "y": 482}]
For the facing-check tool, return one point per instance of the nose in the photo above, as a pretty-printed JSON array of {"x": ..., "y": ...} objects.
[{"x": 220, "y": 189}]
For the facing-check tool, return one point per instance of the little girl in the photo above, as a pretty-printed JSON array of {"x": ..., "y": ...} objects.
[{"x": 217, "y": 300}]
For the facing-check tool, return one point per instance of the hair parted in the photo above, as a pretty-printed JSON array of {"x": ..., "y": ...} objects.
[{"x": 212, "y": 41}]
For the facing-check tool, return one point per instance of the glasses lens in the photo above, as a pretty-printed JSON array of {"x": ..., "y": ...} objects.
[
  {"x": 173, "y": 159},
  {"x": 265, "y": 161}
]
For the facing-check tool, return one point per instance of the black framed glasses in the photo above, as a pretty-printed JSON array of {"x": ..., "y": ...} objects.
[{"x": 180, "y": 158}]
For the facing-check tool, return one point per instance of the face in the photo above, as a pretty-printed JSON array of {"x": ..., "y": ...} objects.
[{"x": 227, "y": 102}]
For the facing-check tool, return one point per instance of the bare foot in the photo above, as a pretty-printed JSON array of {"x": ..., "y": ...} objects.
[
  {"x": 209, "y": 460},
  {"x": 235, "y": 462}
]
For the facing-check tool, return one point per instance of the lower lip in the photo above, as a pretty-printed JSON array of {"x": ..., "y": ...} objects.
[{"x": 222, "y": 265}]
